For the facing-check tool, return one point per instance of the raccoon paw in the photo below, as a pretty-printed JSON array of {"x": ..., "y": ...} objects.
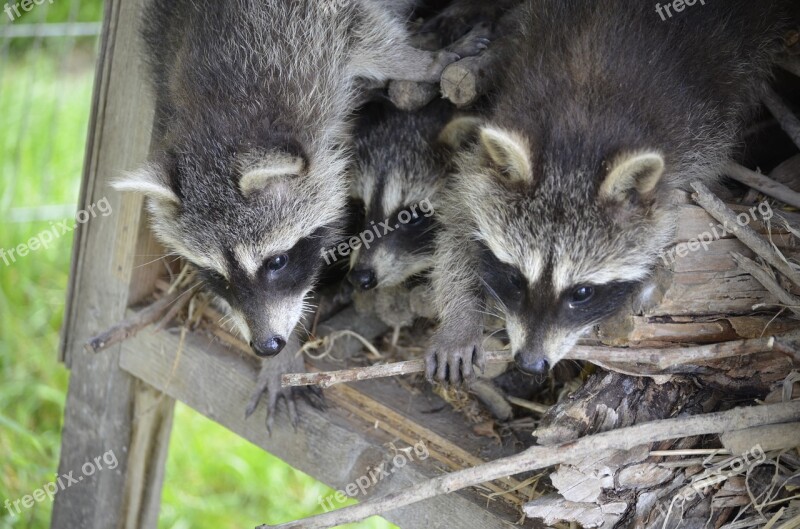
[
  {"x": 469, "y": 45},
  {"x": 454, "y": 22},
  {"x": 473, "y": 42},
  {"x": 269, "y": 383},
  {"x": 450, "y": 362}
]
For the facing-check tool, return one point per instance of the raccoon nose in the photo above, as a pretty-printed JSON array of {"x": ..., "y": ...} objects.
[
  {"x": 364, "y": 278},
  {"x": 536, "y": 366},
  {"x": 269, "y": 347}
]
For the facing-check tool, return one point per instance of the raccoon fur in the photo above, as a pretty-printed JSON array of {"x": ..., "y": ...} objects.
[
  {"x": 562, "y": 197},
  {"x": 253, "y": 100},
  {"x": 398, "y": 168}
]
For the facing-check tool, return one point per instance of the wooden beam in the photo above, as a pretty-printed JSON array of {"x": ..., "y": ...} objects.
[
  {"x": 102, "y": 399},
  {"x": 336, "y": 446}
]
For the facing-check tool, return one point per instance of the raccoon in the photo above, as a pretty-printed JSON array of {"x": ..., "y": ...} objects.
[
  {"x": 561, "y": 199},
  {"x": 459, "y": 16},
  {"x": 398, "y": 168},
  {"x": 253, "y": 99}
]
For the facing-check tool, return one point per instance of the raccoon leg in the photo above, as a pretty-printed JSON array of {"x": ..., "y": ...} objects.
[
  {"x": 269, "y": 383},
  {"x": 458, "y": 342},
  {"x": 411, "y": 64}
]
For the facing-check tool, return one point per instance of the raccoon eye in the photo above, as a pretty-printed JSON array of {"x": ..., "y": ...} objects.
[
  {"x": 277, "y": 263},
  {"x": 581, "y": 295},
  {"x": 516, "y": 281},
  {"x": 415, "y": 220}
]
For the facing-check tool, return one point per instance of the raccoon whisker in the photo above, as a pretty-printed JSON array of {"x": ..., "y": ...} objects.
[
  {"x": 422, "y": 250},
  {"x": 487, "y": 313},
  {"x": 191, "y": 291},
  {"x": 224, "y": 318},
  {"x": 428, "y": 230},
  {"x": 491, "y": 335},
  {"x": 492, "y": 292},
  {"x": 577, "y": 364},
  {"x": 153, "y": 261},
  {"x": 305, "y": 330}
]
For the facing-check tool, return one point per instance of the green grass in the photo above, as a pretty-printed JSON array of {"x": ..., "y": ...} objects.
[{"x": 214, "y": 479}]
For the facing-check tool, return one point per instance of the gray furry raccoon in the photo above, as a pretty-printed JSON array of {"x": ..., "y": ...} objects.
[
  {"x": 399, "y": 165},
  {"x": 253, "y": 99},
  {"x": 561, "y": 201}
]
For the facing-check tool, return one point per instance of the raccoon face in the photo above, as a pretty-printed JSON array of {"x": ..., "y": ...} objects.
[
  {"x": 399, "y": 165},
  {"x": 254, "y": 225},
  {"x": 543, "y": 323},
  {"x": 563, "y": 239},
  {"x": 266, "y": 305},
  {"x": 391, "y": 257}
]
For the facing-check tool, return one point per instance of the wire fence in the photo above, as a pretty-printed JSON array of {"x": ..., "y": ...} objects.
[{"x": 48, "y": 50}]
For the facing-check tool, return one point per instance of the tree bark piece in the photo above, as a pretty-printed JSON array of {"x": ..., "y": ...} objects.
[
  {"x": 538, "y": 457},
  {"x": 787, "y": 172},
  {"x": 745, "y": 233},
  {"x": 766, "y": 438},
  {"x": 553, "y": 509},
  {"x": 763, "y": 183},
  {"x": 770, "y": 283}
]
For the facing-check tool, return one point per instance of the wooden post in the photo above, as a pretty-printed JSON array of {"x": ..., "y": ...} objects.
[{"x": 102, "y": 401}]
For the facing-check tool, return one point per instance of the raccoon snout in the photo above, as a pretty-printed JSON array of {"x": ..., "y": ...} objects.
[
  {"x": 269, "y": 347},
  {"x": 533, "y": 365},
  {"x": 363, "y": 278}
]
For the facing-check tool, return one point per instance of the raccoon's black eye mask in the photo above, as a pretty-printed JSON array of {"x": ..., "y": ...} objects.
[
  {"x": 578, "y": 306},
  {"x": 586, "y": 304},
  {"x": 214, "y": 281},
  {"x": 292, "y": 269},
  {"x": 503, "y": 282}
]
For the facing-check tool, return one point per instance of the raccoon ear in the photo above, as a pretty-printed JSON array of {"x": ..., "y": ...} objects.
[
  {"x": 261, "y": 173},
  {"x": 149, "y": 180},
  {"x": 507, "y": 153},
  {"x": 637, "y": 171},
  {"x": 459, "y": 131}
]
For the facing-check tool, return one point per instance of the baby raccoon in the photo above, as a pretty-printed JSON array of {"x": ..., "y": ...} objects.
[
  {"x": 399, "y": 166},
  {"x": 253, "y": 97},
  {"x": 561, "y": 199}
]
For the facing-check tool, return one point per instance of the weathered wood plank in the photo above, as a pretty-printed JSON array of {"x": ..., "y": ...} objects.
[
  {"x": 101, "y": 399},
  {"x": 334, "y": 446}
]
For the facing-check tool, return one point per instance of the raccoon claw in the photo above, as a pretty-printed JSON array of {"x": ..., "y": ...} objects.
[
  {"x": 313, "y": 396},
  {"x": 472, "y": 43},
  {"x": 269, "y": 383},
  {"x": 453, "y": 365}
]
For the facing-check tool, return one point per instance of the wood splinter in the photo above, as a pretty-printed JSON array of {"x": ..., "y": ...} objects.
[
  {"x": 747, "y": 235},
  {"x": 763, "y": 183},
  {"x": 761, "y": 275},
  {"x": 169, "y": 304},
  {"x": 658, "y": 360}
]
